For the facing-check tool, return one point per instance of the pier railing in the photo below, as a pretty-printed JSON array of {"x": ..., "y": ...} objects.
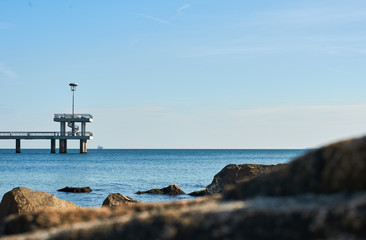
[
  {"x": 76, "y": 115},
  {"x": 43, "y": 135}
]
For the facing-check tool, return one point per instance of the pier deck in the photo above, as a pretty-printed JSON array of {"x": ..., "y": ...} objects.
[
  {"x": 65, "y": 120},
  {"x": 53, "y": 136},
  {"x": 45, "y": 135}
]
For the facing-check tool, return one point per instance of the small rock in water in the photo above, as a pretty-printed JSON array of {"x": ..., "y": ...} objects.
[
  {"x": 76, "y": 189},
  {"x": 198, "y": 193},
  {"x": 170, "y": 190},
  {"x": 119, "y": 200}
]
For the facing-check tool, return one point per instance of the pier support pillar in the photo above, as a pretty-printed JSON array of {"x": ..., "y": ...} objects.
[
  {"x": 63, "y": 128},
  {"x": 53, "y": 145},
  {"x": 83, "y": 128},
  {"x": 17, "y": 145},
  {"x": 63, "y": 146},
  {"x": 83, "y": 145}
]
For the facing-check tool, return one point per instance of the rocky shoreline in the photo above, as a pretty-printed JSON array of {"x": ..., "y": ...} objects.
[{"x": 320, "y": 195}]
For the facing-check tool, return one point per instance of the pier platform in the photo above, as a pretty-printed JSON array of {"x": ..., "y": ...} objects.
[
  {"x": 44, "y": 135},
  {"x": 70, "y": 120}
]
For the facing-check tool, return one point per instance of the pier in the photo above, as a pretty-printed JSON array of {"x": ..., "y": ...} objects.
[
  {"x": 62, "y": 136},
  {"x": 76, "y": 122}
]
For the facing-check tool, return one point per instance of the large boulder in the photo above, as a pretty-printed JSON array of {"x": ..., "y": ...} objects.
[
  {"x": 233, "y": 173},
  {"x": 118, "y": 200},
  {"x": 76, "y": 189},
  {"x": 339, "y": 167},
  {"x": 21, "y": 200},
  {"x": 170, "y": 190}
]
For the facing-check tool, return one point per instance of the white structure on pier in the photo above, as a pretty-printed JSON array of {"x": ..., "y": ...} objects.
[{"x": 72, "y": 120}]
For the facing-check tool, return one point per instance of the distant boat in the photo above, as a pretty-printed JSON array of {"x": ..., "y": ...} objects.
[{"x": 100, "y": 147}]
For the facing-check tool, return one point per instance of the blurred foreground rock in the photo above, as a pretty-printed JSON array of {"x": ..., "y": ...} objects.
[
  {"x": 334, "y": 216},
  {"x": 318, "y": 196},
  {"x": 233, "y": 173},
  {"x": 119, "y": 200},
  {"x": 170, "y": 190},
  {"x": 21, "y": 200}
]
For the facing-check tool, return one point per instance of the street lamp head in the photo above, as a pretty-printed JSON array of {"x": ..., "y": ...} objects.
[{"x": 73, "y": 86}]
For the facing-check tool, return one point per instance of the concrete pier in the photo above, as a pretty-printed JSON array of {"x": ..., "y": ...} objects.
[
  {"x": 70, "y": 120},
  {"x": 63, "y": 146},
  {"x": 53, "y": 145},
  {"x": 17, "y": 146},
  {"x": 83, "y": 145}
]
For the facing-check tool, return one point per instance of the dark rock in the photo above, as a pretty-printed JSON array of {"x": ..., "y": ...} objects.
[
  {"x": 198, "y": 193},
  {"x": 233, "y": 173},
  {"x": 21, "y": 200},
  {"x": 118, "y": 200},
  {"x": 76, "y": 189},
  {"x": 339, "y": 167},
  {"x": 170, "y": 190}
]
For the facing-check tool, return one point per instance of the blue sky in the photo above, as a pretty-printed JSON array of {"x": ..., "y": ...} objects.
[{"x": 186, "y": 74}]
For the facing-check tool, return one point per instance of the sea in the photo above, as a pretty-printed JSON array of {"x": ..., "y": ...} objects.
[{"x": 124, "y": 171}]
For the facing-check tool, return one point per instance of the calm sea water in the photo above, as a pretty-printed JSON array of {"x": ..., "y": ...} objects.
[{"x": 125, "y": 171}]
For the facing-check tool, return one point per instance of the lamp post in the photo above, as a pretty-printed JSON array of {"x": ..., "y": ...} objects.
[{"x": 73, "y": 89}]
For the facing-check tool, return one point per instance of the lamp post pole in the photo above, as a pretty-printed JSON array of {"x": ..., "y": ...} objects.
[
  {"x": 73, "y": 103},
  {"x": 73, "y": 89}
]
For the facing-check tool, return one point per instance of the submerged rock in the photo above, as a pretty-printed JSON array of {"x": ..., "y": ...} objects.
[
  {"x": 76, "y": 189},
  {"x": 21, "y": 200},
  {"x": 339, "y": 167},
  {"x": 118, "y": 200},
  {"x": 233, "y": 173},
  {"x": 199, "y": 193},
  {"x": 170, "y": 190}
]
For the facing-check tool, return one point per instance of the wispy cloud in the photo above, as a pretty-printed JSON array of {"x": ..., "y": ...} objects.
[
  {"x": 6, "y": 72},
  {"x": 296, "y": 126},
  {"x": 308, "y": 17},
  {"x": 4, "y": 25},
  {"x": 179, "y": 10},
  {"x": 154, "y": 19},
  {"x": 134, "y": 42},
  {"x": 304, "y": 110},
  {"x": 218, "y": 51}
]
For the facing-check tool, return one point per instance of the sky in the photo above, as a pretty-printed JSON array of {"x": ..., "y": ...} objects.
[{"x": 186, "y": 74}]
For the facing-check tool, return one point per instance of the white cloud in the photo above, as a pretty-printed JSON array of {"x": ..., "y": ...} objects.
[
  {"x": 134, "y": 42},
  {"x": 4, "y": 25},
  {"x": 6, "y": 72},
  {"x": 309, "y": 16},
  {"x": 217, "y": 51},
  {"x": 305, "y": 126},
  {"x": 183, "y": 8},
  {"x": 154, "y": 19}
]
